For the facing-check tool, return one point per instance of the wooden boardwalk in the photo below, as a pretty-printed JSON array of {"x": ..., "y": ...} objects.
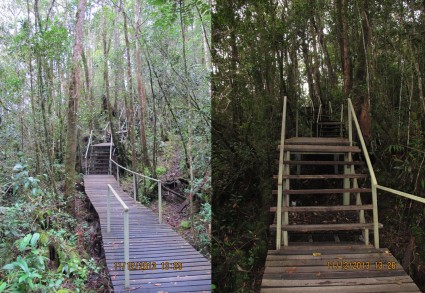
[
  {"x": 319, "y": 267},
  {"x": 188, "y": 270}
]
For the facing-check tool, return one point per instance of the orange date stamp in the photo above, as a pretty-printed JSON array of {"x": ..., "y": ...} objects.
[
  {"x": 148, "y": 265},
  {"x": 361, "y": 265}
]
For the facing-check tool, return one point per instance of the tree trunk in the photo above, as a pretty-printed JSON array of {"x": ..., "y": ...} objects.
[
  {"x": 189, "y": 144},
  {"x": 141, "y": 90},
  {"x": 73, "y": 97},
  {"x": 34, "y": 121},
  {"x": 130, "y": 115}
]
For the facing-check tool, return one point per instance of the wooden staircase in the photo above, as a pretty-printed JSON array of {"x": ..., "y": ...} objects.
[
  {"x": 319, "y": 172},
  {"x": 98, "y": 160},
  {"x": 326, "y": 209}
]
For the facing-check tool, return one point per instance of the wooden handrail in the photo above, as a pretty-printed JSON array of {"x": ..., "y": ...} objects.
[
  {"x": 88, "y": 144},
  {"x": 374, "y": 184},
  {"x": 134, "y": 180},
  {"x": 401, "y": 193},
  {"x": 126, "y": 231},
  {"x": 280, "y": 178}
]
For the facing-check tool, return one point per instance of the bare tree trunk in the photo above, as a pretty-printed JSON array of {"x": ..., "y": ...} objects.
[
  {"x": 141, "y": 90},
  {"x": 130, "y": 112},
  {"x": 189, "y": 144},
  {"x": 346, "y": 54},
  {"x": 89, "y": 91},
  {"x": 34, "y": 121},
  {"x": 316, "y": 75},
  {"x": 73, "y": 97}
]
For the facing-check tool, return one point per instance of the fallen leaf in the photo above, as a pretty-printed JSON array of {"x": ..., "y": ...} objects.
[
  {"x": 157, "y": 284},
  {"x": 241, "y": 269},
  {"x": 317, "y": 254},
  {"x": 318, "y": 274}
]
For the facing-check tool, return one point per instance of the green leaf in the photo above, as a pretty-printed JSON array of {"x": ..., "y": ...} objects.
[
  {"x": 2, "y": 286},
  {"x": 23, "y": 264},
  {"x": 34, "y": 239},
  {"x": 9, "y": 266},
  {"x": 23, "y": 278},
  {"x": 24, "y": 242}
]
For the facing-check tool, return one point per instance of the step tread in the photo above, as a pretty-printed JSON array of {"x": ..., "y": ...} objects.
[
  {"x": 322, "y": 176},
  {"x": 317, "y": 141},
  {"x": 330, "y": 123},
  {"x": 326, "y": 227},
  {"x": 294, "y": 162},
  {"x": 325, "y": 191},
  {"x": 324, "y": 208},
  {"x": 327, "y": 149}
]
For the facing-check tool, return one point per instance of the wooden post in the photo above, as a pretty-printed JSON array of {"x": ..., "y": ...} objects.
[
  {"x": 134, "y": 187},
  {"x": 286, "y": 201},
  {"x": 375, "y": 216},
  {"x": 126, "y": 249},
  {"x": 279, "y": 192},
  {"x": 347, "y": 171},
  {"x": 108, "y": 211},
  {"x": 159, "y": 202}
]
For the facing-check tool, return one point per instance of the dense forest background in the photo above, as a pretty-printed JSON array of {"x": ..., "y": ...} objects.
[
  {"x": 70, "y": 67},
  {"x": 314, "y": 52}
]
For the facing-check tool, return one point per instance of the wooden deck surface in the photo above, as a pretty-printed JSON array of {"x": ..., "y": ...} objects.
[
  {"x": 149, "y": 242},
  {"x": 334, "y": 268}
]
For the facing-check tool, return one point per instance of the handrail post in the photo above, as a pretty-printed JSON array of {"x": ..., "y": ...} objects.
[
  {"x": 341, "y": 132},
  {"x": 159, "y": 202},
  {"x": 350, "y": 125},
  {"x": 134, "y": 187},
  {"x": 375, "y": 215},
  {"x": 374, "y": 183},
  {"x": 126, "y": 249},
  {"x": 108, "y": 213},
  {"x": 296, "y": 125},
  {"x": 279, "y": 188},
  {"x": 110, "y": 156}
]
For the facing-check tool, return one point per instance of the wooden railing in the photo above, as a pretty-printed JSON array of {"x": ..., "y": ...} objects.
[
  {"x": 353, "y": 118},
  {"x": 135, "y": 175},
  {"x": 279, "y": 187},
  {"x": 283, "y": 200},
  {"x": 87, "y": 150},
  {"x": 126, "y": 231}
]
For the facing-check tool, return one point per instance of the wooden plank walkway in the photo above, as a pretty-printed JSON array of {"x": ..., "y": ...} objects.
[
  {"x": 334, "y": 268},
  {"x": 149, "y": 242}
]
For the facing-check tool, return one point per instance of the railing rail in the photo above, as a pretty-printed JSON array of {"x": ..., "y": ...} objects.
[
  {"x": 352, "y": 117},
  {"x": 126, "y": 231},
  {"x": 135, "y": 174},
  {"x": 87, "y": 150},
  {"x": 280, "y": 180}
]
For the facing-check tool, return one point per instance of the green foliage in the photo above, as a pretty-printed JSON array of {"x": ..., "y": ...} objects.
[
  {"x": 29, "y": 229},
  {"x": 202, "y": 227},
  {"x": 185, "y": 224},
  {"x": 160, "y": 170}
]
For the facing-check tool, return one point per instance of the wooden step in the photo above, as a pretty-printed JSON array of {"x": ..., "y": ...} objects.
[
  {"x": 330, "y": 123},
  {"x": 326, "y": 227},
  {"x": 324, "y": 208},
  {"x": 340, "y": 163},
  {"x": 322, "y": 176},
  {"x": 325, "y": 191},
  {"x": 317, "y": 141},
  {"x": 321, "y": 149}
]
